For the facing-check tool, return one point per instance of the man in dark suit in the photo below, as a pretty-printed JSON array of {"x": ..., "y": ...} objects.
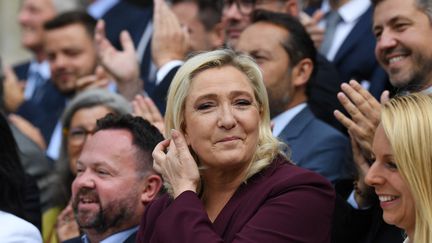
[
  {"x": 351, "y": 43},
  {"x": 115, "y": 179},
  {"x": 36, "y": 72},
  {"x": 322, "y": 88},
  {"x": 286, "y": 55}
]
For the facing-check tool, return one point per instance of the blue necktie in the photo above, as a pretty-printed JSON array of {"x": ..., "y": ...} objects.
[{"x": 39, "y": 82}]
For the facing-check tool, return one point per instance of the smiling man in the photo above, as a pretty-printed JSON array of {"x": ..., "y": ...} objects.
[
  {"x": 115, "y": 179},
  {"x": 403, "y": 29}
]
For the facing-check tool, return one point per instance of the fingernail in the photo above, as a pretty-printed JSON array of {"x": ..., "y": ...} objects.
[{"x": 174, "y": 133}]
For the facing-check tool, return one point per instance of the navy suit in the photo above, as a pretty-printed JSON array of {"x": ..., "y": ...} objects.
[
  {"x": 355, "y": 58},
  {"x": 45, "y": 112},
  {"x": 317, "y": 146},
  {"x": 21, "y": 70},
  {"x": 362, "y": 226}
]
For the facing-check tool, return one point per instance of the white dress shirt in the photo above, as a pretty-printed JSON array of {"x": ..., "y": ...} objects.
[
  {"x": 282, "y": 120},
  {"x": 350, "y": 14},
  {"x": 44, "y": 71},
  {"x": 98, "y": 8}
]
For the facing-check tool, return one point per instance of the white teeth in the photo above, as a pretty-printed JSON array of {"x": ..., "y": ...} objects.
[
  {"x": 87, "y": 201},
  {"x": 386, "y": 198},
  {"x": 395, "y": 59}
]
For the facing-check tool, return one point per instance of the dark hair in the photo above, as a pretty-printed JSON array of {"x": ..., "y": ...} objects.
[
  {"x": 298, "y": 45},
  {"x": 145, "y": 136},
  {"x": 209, "y": 11},
  {"x": 423, "y": 5},
  {"x": 70, "y": 18},
  {"x": 12, "y": 175}
]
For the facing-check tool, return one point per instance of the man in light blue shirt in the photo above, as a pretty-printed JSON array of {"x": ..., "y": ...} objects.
[{"x": 115, "y": 179}]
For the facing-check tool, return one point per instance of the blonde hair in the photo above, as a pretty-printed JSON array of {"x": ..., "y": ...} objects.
[
  {"x": 268, "y": 145},
  {"x": 407, "y": 122}
]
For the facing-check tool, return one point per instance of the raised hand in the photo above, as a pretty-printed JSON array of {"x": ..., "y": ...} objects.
[
  {"x": 362, "y": 192},
  {"x": 170, "y": 41},
  {"x": 173, "y": 160},
  {"x": 121, "y": 65},
  {"x": 311, "y": 25},
  {"x": 365, "y": 112},
  {"x": 98, "y": 80},
  {"x": 67, "y": 227},
  {"x": 145, "y": 108},
  {"x": 13, "y": 90},
  {"x": 28, "y": 129}
]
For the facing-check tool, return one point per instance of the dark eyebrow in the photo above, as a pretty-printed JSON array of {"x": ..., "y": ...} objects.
[{"x": 392, "y": 21}]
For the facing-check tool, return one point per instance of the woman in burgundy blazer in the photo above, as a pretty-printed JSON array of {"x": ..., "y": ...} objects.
[{"x": 227, "y": 177}]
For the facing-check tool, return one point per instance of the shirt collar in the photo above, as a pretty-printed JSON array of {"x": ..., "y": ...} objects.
[
  {"x": 280, "y": 121},
  {"x": 115, "y": 238},
  {"x": 350, "y": 11},
  {"x": 43, "y": 68}
]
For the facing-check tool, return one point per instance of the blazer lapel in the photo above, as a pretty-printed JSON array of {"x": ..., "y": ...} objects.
[
  {"x": 296, "y": 126},
  {"x": 363, "y": 26}
]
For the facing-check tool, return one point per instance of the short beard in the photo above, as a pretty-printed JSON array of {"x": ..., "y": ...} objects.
[
  {"x": 110, "y": 217},
  {"x": 278, "y": 106}
]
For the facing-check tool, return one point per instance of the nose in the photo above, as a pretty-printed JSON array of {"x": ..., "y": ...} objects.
[
  {"x": 84, "y": 180},
  {"x": 226, "y": 117},
  {"x": 23, "y": 16},
  {"x": 374, "y": 176},
  {"x": 58, "y": 62},
  {"x": 385, "y": 41}
]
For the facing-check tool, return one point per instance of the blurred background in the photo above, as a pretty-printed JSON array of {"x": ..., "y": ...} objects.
[{"x": 10, "y": 46}]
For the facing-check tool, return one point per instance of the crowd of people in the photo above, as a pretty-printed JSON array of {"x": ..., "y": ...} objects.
[{"x": 219, "y": 121}]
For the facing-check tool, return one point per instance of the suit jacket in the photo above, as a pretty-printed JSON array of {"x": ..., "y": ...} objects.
[
  {"x": 317, "y": 146},
  {"x": 160, "y": 93},
  {"x": 128, "y": 16},
  {"x": 282, "y": 203},
  {"x": 356, "y": 59},
  {"x": 362, "y": 226},
  {"x": 130, "y": 239},
  {"x": 46, "y": 112},
  {"x": 21, "y": 70}
]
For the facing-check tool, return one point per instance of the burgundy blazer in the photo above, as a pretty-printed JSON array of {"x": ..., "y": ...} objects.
[{"x": 283, "y": 203}]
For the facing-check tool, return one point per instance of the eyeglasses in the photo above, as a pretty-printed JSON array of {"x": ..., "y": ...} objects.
[
  {"x": 77, "y": 136},
  {"x": 245, "y": 7}
]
